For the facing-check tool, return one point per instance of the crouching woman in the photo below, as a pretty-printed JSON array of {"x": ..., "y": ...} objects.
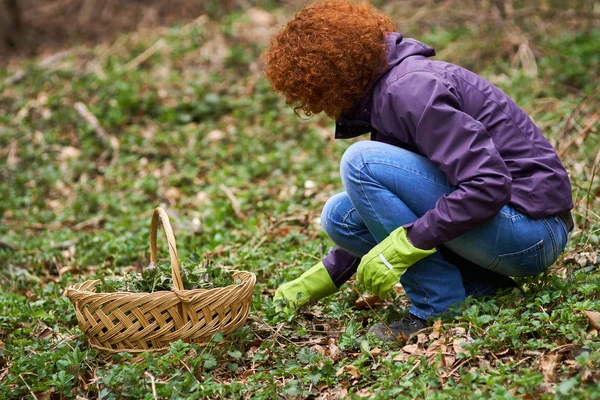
[{"x": 456, "y": 191}]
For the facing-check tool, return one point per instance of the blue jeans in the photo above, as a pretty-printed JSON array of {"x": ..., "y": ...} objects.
[{"x": 387, "y": 186}]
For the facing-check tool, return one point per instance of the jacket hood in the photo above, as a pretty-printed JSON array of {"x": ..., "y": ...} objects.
[
  {"x": 400, "y": 48},
  {"x": 357, "y": 121}
]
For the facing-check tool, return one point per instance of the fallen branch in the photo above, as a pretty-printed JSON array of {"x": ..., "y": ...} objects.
[
  {"x": 589, "y": 191},
  {"x": 145, "y": 55},
  {"x": 583, "y": 134},
  {"x": 235, "y": 203},
  {"x": 45, "y": 63},
  {"x": 152, "y": 382},
  {"x": 101, "y": 134},
  {"x": 581, "y": 104},
  {"x": 92, "y": 221}
]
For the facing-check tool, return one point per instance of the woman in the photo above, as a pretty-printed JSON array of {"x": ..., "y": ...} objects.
[{"x": 457, "y": 190}]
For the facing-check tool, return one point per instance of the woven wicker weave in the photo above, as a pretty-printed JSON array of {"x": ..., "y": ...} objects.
[{"x": 138, "y": 322}]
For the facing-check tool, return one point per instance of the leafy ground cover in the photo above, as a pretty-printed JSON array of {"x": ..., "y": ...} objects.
[{"x": 92, "y": 139}]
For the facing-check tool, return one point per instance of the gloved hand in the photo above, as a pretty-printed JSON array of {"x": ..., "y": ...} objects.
[
  {"x": 380, "y": 269},
  {"x": 314, "y": 284}
]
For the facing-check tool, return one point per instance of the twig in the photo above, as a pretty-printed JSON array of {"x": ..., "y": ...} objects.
[
  {"x": 30, "y": 225},
  {"x": 377, "y": 315},
  {"x": 309, "y": 255},
  {"x": 46, "y": 62},
  {"x": 588, "y": 195},
  {"x": 275, "y": 332},
  {"x": 583, "y": 134},
  {"x": 572, "y": 115},
  {"x": 101, "y": 134},
  {"x": 91, "y": 119},
  {"x": 28, "y": 387},
  {"x": 458, "y": 367},
  {"x": 235, "y": 203},
  {"x": 88, "y": 222},
  {"x": 6, "y": 246},
  {"x": 145, "y": 55},
  {"x": 148, "y": 374},
  {"x": 260, "y": 242}
]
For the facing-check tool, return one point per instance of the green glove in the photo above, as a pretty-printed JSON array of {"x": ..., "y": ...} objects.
[
  {"x": 314, "y": 284},
  {"x": 380, "y": 269}
]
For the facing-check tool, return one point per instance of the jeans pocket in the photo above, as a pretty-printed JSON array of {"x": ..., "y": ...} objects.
[{"x": 530, "y": 261}]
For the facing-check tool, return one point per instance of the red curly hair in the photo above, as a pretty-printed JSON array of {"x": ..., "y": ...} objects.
[{"x": 326, "y": 56}]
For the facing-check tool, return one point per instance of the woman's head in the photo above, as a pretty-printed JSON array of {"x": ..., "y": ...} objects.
[{"x": 325, "y": 57}]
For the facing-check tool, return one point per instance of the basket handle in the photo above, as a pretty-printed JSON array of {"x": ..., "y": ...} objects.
[{"x": 166, "y": 224}]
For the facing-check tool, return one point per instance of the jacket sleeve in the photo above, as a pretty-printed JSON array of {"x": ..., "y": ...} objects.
[{"x": 460, "y": 146}]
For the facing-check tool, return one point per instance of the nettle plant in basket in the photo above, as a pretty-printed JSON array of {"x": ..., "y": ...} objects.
[{"x": 147, "y": 311}]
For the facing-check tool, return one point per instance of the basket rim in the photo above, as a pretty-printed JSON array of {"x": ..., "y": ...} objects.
[{"x": 246, "y": 276}]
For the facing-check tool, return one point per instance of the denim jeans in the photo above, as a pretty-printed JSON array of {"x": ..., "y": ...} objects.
[{"x": 387, "y": 187}]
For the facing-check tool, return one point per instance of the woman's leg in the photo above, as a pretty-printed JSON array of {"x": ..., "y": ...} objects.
[
  {"x": 389, "y": 187},
  {"x": 344, "y": 226}
]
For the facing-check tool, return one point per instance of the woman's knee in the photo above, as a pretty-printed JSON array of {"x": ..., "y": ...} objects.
[
  {"x": 354, "y": 157},
  {"x": 360, "y": 154},
  {"x": 333, "y": 213}
]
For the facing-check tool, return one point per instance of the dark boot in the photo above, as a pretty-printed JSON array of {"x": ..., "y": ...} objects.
[{"x": 405, "y": 328}]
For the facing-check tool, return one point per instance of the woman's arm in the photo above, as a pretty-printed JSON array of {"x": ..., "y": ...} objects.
[{"x": 457, "y": 144}]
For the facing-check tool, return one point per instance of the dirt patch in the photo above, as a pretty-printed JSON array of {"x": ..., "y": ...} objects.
[{"x": 39, "y": 26}]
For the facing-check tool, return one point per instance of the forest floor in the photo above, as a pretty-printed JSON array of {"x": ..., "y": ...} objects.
[{"x": 92, "y": 139}]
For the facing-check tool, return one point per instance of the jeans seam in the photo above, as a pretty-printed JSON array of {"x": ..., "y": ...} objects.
[
  {"x": 360, "y": 182},
  {"x": 414, "y": 172},
  {"x": 350, "y": 232},
  {"x": 552, "y": 238}
]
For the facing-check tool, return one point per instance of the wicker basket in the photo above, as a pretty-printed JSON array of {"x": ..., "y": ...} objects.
[{"x": 138, "y": 322}]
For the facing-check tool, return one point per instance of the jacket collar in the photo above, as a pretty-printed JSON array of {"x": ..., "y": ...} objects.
[{"x": 358, "y": 121}]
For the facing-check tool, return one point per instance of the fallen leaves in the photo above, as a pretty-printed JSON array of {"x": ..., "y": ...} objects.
[
  {"x": 582, "y": 257},
  {"x": 366, "y": 301},
  {"x": 349, "y": 369},
  {"x": 594, "y": 318},
  {"x": 548, "y": 366}
]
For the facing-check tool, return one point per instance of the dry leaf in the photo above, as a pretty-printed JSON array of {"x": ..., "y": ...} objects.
[
  {"x": 376, "y": 351},
  {"x": 364, "y": 393},
  {"x": 458, "y": 331},
  {"x": 548, "y": 366},
  {"x": 434, "y": 349},
  {"x": 44, "y": 395},
  {"x": 399, "y": 290},
  {"x": 319, "y": 349},
  {"x": 457, "y": 344},
  {"x": 247, "y": 373},
  {"x": 366, "y": 300},
  {"x": 450, "y": 360},
  {"x": 437, "y": 325},
  {"x": 594, "y": 318},
  {"x": 400, "y": 357},
  {"x": 413, "y": 349},
  {"x": 582, "y": 258},
  {"x": 350, "y": 369},
  {"x": 334, "y": 350}
]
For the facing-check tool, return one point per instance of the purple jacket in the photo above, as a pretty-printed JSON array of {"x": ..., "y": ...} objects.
[{"x": 483, "y": 142}]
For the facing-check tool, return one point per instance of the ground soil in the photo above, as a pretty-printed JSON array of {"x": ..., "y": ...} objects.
[{"x": 51, "y": 25}]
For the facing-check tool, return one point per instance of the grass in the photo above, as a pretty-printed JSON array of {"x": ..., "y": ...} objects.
[{"x": 192, "y": 126}]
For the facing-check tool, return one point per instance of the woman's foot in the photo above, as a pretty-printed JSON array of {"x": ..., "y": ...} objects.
[{"x": 405, "y": 328}]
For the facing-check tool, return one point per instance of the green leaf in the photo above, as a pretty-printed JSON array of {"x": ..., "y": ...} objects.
[
  {"x": 209, "y": 361},
  {"x": 306, "y": 355}
]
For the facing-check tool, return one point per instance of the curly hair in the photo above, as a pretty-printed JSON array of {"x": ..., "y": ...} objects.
[{"x": 326, "y": 56}]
